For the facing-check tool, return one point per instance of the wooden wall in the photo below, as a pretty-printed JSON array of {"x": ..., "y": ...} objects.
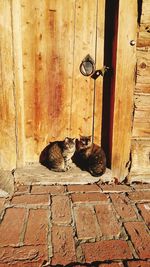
[{"x": 140, "y": 150}]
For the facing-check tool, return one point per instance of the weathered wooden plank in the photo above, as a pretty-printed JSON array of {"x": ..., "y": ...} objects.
[
  {"x": 141, "y": 123},
  {"x": 48, "y": 60},
  {"x": 124, "y": 86},
  {"x": 83, "y": 87},
  {"x": 18, "y": 81},
  {"x": 99, "y": 64},
  {"x": 142, "y": 88},
  {"x": 143, "y": 35},
  {"x": 143, "y": 67},
  {"x": 140, "y": 168},
  {"x": 28, "y": 58},
  {"x": 62, "y": 30},
  {"x": 142, "y": 101},
  {"x": 7, "y": 98},
  {"x": 145, "y": 17}
]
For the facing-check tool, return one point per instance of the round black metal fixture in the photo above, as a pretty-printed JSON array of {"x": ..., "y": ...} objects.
[{"x": 87, "y": 66}]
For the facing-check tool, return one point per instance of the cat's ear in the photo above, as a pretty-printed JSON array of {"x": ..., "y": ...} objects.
[
  {"x": 66, "y": 140},
  {"x": 81, "y": 136},
  {"x": 74, "y": 140}
]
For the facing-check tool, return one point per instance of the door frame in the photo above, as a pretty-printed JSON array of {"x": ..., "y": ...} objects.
[{"x": 123, "y": 85}]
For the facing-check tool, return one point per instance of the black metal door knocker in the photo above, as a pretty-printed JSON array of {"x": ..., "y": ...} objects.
[{"x": 87, "y": 68}]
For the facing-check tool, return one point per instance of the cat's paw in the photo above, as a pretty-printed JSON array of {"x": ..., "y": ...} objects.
[{"x": 67, "y": 167}]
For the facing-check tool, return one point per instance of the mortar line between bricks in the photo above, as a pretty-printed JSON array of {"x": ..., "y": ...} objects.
[
  {"x": 24, "y": 227},
  {"x": 71, "y": 212},
  {"x": 49, "y": 233},
  {"x": 3, "y": 212},
  {"x": 131, "y": 245},
  {"x": 30, "y": 188},
  {"x": 97, "y": 223},
  {"x": 30, "y": 206},
  {"x": 79, "y": 253},
  {"x": 119, "y": 220},
  {"x": 137, "y": 211}
]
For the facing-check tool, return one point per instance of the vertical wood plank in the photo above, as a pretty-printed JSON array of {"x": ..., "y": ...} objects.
[
  {"x": 83, "y": 87},
  {"x": 61, "y": 65},
  {"x": 124, "y": 87},
  {"x": 28, "y": 58},
  {"x": 99, "y": 64},
  {"x": 7, "y": 103},
  {"x": 18, "y": 81},
  {"x": 47, "y": 59}
]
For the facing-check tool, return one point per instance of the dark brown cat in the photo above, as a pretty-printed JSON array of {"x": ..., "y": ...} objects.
[
  {"x": 57, "y": 155},
  {"x": 89, "y": 156}
]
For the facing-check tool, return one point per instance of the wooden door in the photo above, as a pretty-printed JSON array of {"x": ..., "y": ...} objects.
[{"x": 59, "y": 101}]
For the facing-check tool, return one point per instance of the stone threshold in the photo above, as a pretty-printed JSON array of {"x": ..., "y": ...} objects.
[{"x": 36, "y": 174}]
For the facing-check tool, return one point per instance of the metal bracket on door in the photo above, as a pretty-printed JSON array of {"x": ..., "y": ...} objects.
[{"x": 101, "y": 72}]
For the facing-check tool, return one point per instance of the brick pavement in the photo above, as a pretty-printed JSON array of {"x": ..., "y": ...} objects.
[{"x": 76, "y": 225}]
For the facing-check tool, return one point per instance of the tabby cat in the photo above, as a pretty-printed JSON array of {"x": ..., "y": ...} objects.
[
  {"x": 57, "y": 155},
  {"x": 89, "y": 156}
]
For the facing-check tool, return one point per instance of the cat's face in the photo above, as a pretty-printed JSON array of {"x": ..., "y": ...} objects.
[
  {"x": 84, "y": 142},
  {"x": 69, "y": 143}
]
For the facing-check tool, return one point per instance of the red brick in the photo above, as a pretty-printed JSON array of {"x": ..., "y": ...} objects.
[
  {"x": 140, "y": 238},
  {"x": 10, "y": 255},
  {"x": 139, "y": 196},
  {"x": 115, "y": 188},
  {"x": 61, "y": 210},
  {"x": 37, "y": 227},
  {"x": 107, "y": 220},
  {"x": 86, "y": 223},
  {"x": 11, "y": 226},
  {"x": 63, "y": 245},
  {"x": 106, "y": 250},
  {"x": 48, "y": 189},
  {"x": 22, "y": 189},
  {"x": 112, "y": 264},
  {"x": 89, "y": 197},
  {"x": 123, "y": 207},
  {"x": 138, "y": 264},
  {"x": 31, "y": 199},
  {"x": 84, "y": 188},
  {"x": 145, "y": 212}
]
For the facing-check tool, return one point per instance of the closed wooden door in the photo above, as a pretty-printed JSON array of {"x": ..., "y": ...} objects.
[{"x": 58, "y": 100}]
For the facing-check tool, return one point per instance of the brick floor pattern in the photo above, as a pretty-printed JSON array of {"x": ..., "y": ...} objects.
[{"x": 76, "y": 225}]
